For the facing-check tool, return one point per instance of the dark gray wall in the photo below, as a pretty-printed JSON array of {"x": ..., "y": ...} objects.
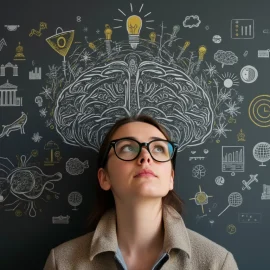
[{"x": 37, "y": 190}]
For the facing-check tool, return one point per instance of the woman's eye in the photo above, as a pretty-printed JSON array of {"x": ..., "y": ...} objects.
[
  {"x": 127, "y": 148},
  {"x": 159, "y": 149}
]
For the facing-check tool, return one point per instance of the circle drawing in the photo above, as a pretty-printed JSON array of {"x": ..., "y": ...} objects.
[
  {"x": 220, "y": 180},
  {"x": 217, "y": 39},
  {"x": 259, "y": 111},
  {"x": 261, "y": 152},
  {"x": 249, "y": 74}
]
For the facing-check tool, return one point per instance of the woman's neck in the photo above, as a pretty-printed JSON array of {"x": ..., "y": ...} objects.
[{"x": 140, "y": 228}]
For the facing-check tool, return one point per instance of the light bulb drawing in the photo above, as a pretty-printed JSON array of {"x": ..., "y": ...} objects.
[
  {"x": 108, "y": 32},
  {"x": 176, "y": 29},
  {"x": 108, "y": 38},
  {"x": 202, "y": 51},
  {"x": 134, "y": 25},
  {"x": 61, "y": 43},
  {"x": 92, "y": 46},
  {"x": 153, "y": 36},
  {"x": 186, "y": 44}
]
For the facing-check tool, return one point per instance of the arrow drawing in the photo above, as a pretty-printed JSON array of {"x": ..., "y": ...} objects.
[{"x": 2, "y": 44}]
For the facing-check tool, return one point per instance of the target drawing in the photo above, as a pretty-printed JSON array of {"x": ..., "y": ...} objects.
[{"x": 259, "y": 111}]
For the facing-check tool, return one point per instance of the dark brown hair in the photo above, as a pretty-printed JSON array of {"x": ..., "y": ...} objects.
[{"x": 104, "y": 199}]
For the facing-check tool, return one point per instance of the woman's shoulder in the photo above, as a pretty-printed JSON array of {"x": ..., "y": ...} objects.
[
  {"x": 201, "y": 241},
  {"x": 80, "y": 244},
  {"x": 207, "y": 253}
]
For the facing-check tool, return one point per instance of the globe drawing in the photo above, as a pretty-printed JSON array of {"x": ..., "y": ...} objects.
[
  {"x": 235, "y": 199},
  {"x": 75, "y": 199},
  {"x": 261, "y": 152}
]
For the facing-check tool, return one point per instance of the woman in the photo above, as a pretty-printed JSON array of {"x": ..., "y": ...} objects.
[{"x": 139, "y": 224}]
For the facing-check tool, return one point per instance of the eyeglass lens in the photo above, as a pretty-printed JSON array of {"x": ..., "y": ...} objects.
[{"x": 129, "y": 149}]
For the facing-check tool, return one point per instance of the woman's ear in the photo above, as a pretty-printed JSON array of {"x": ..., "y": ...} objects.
[{"x": 103, "y": 178}]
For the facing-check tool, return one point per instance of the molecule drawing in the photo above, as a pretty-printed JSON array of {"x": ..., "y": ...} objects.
[
  {"x": 246, "y": 184},
  {"x": 201, "y": 198}
]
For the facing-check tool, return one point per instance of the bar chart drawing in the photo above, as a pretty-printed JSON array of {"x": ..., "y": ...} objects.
[
  {"x": 242, "y": 29},
  {"x": 233, "y": 159}
]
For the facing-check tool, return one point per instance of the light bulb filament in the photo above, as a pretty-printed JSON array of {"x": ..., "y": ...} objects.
[{"x": 132, "y": 29}]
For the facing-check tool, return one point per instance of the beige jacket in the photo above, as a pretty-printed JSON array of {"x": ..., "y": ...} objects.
[{"x": 183, "y": 249}]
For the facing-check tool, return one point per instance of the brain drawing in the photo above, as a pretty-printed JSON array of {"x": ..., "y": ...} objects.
[{"x": 89, "y": 106}]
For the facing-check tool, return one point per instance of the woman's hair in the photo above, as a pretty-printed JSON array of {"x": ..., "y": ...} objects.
[{"x": 104, "y": 199}]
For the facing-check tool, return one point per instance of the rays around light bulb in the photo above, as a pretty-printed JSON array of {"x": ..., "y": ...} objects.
[{"x": 124, "y": 13}]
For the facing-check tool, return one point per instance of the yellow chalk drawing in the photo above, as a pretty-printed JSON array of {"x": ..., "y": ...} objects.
[
  {"x": 108, "y": 38},
  {"x": 92, "y": 46},
  {"x": 259, "y": 111},
  {"x": 34, "y": 153},
  {"x": 201, "y": 198},
  {"x": 61, "y": 43},
  {"x": 38, "y": 33},
  {"x": 153, "y": 36},
  {"x": 186, "y": 44},
  {"x": 19, "y": 56},
  {"x": 241, "y": 136},
  {"x": 134, "y": 25},
  {"x": 231, "y": 229},
  {"x": 202, "y": 51},
  {"x": 108, "y": 32},
  {"x": 232, "y": 120},
  {"x": 18, "y": 213},
  {"x": 54, "y": 153}
]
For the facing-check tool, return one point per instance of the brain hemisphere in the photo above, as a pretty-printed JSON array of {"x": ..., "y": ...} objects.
[
  {"x": 88, "y": 107},
  {"x": 183, "y": 102}
]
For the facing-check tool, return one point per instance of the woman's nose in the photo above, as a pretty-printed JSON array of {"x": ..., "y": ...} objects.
[{"x": 144, "y": 156}]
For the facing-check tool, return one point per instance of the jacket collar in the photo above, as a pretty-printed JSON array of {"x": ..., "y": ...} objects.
[{"x": 175, "y": 236}]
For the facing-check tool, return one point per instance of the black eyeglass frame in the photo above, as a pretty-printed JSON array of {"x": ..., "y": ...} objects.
[{"x": 113, "y": 143}]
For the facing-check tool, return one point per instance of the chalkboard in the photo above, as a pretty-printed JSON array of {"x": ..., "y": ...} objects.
[{"x": 200, "y": 67}]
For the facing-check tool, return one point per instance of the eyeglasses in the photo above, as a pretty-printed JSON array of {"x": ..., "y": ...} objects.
[{"x": 128, "y": 149}]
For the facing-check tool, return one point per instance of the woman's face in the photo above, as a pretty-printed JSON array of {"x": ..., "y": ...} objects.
[{"x": 125, "y": 178}]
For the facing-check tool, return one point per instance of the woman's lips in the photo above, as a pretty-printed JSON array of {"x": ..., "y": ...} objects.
[{"x": 145, "y": 174}]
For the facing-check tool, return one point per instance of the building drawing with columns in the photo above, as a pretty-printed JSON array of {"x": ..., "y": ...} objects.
[
  {"x": 8, "y": 95},
  {"x": 8, "y": 65}
]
